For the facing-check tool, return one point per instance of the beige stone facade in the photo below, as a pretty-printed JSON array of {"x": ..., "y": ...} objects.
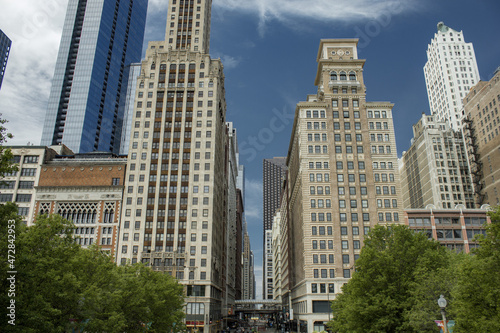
[
  {"x": 481, "y": 131},
  {"x": 343, "y": 179},
  {"x": 435, "y": 170},
  {"x": 176, "y": 189}
]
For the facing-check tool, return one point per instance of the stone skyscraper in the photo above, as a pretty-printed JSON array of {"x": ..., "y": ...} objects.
[
  {"x": 450, "y": 71},
  {"x": 175, "y": 215},
  {"x": 434, "y": 170},
  {"x": 342, "y": 180},
  {"x": 100, "y": 39}
]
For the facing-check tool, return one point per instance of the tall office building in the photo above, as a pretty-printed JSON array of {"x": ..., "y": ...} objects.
[
  {"x": 450, "y": 71},
  {"x": 248, "y": 275},
  {"x": 434, "y": 170},
  {"x": 5, "y": 44},
  {"x": 482, "y": 135},
  {"x": 273, "y": 174},
  {"x": 176, "y": 202},
  {"x": 342, "y": 180},
  {"x": 100, "y": 38}
]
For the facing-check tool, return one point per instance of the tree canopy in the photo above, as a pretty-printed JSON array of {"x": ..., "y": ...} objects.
[
  {"x": 476, "y": 296},
  {"x": 6, "y": 165},
  {"x": 379, "y": 297},
  {"x": 59, "y": 285},
  {"x": 400, "y": 274}
]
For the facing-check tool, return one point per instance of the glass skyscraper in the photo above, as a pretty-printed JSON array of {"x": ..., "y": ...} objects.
[
  {"x": 5, "y": 44},
  {"x": 100, "y": 39}
]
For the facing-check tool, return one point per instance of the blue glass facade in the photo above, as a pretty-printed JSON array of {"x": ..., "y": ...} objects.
[
  {"x": 100, "y": 39},
  {"x": 127, "y": 106},
  {"x": 5, "y": 44}
]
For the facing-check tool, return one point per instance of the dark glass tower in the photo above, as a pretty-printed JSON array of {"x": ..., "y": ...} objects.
[
  {"x": 5, "y": 44},
  {"x": 274, "y": 170},
  {"x": 100, "y": 39},
  {"x": 273, "y": 174}
]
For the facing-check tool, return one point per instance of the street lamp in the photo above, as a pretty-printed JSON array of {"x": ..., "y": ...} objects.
[{"x": 442, "y": 304}]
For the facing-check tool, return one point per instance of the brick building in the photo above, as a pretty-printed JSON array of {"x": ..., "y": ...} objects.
[
  {"x": 88, "y": 190},
  {"x": 453, "y": 228}
]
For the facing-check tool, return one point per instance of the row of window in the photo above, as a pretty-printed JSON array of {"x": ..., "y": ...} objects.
[
  {"x": 179, "y": 105},
  {"x": 342, "y": 76},
  {"x": 383, "y": 165},
  {"x": 168, "y": 225},
  {"x": 345, "y": 104},
  {"x": 10, "y": 184},
  {"x": 7, "y": 197},
  {"x": 353, "y": 203},
  {"x": 347, "y": 125},
  {"x": 350, "y": 165},
  {"x": 318, "y": 165},
  {"x": 25, "y": 172},
  {"x": 322, "y": 244},
  {"x": 322, "y": 288},
  {"x": 348, "y": 149},
  {"x": 316, "y": 114},
  {"x": 383, "y": 177},
  {"x": 344, "y": 90},
  {"x": 317, "y": 137},
  {"x": 386, "y": 203},
  {"x": 348, "y": 137},
  {"x": 28, "y": 159},
  {"x": 389, "y": 217},
  {"x": 378, "y": 125},
  {"x": 322, "y": 259},
  {"x": 346, "y": 114},
  {"x": 321, "y": 203},
  {"x": 328, "y": 230},
  {"x": 169, "y": 237},
  {"x": 319, "y": 177},
  {"x": 351, "y": 178},
  {"x": 317, "y": 149},
  {"x": 177, "y": 114},
  {"x": 381, "y": 149},
  {"x": 380, "y": 137}
]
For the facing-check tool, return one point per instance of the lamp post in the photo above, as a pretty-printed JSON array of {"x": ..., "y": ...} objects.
[{"x": 442, "y": 304}]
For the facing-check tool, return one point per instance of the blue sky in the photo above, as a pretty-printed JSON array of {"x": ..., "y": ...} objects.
[{"x": 269, "y": 50}]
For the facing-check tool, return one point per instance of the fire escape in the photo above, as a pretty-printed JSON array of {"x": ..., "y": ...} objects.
[{"x": 476, "y": 166}]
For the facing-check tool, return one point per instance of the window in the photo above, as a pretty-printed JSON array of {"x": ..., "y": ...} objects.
[
  {"x": 30, "y": 159},
  {"x": 23, "y": 198},
  {"x": 22, "y": 184},
  {"x": 28, "y": 172}
]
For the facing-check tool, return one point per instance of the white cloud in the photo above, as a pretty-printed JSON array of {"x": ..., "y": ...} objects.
[
  {"x": 253, "y": 199},
  {"x": 287, "y": 11},
  {"x": 35, "y": 30},
  {"x": 228, "y": 61}
]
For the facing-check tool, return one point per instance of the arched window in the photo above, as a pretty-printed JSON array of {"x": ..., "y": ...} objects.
[
  {"x": 343, "y": 76},
  {"x": 352, "y": 76},
  {"x": 333, "y": 76}
]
